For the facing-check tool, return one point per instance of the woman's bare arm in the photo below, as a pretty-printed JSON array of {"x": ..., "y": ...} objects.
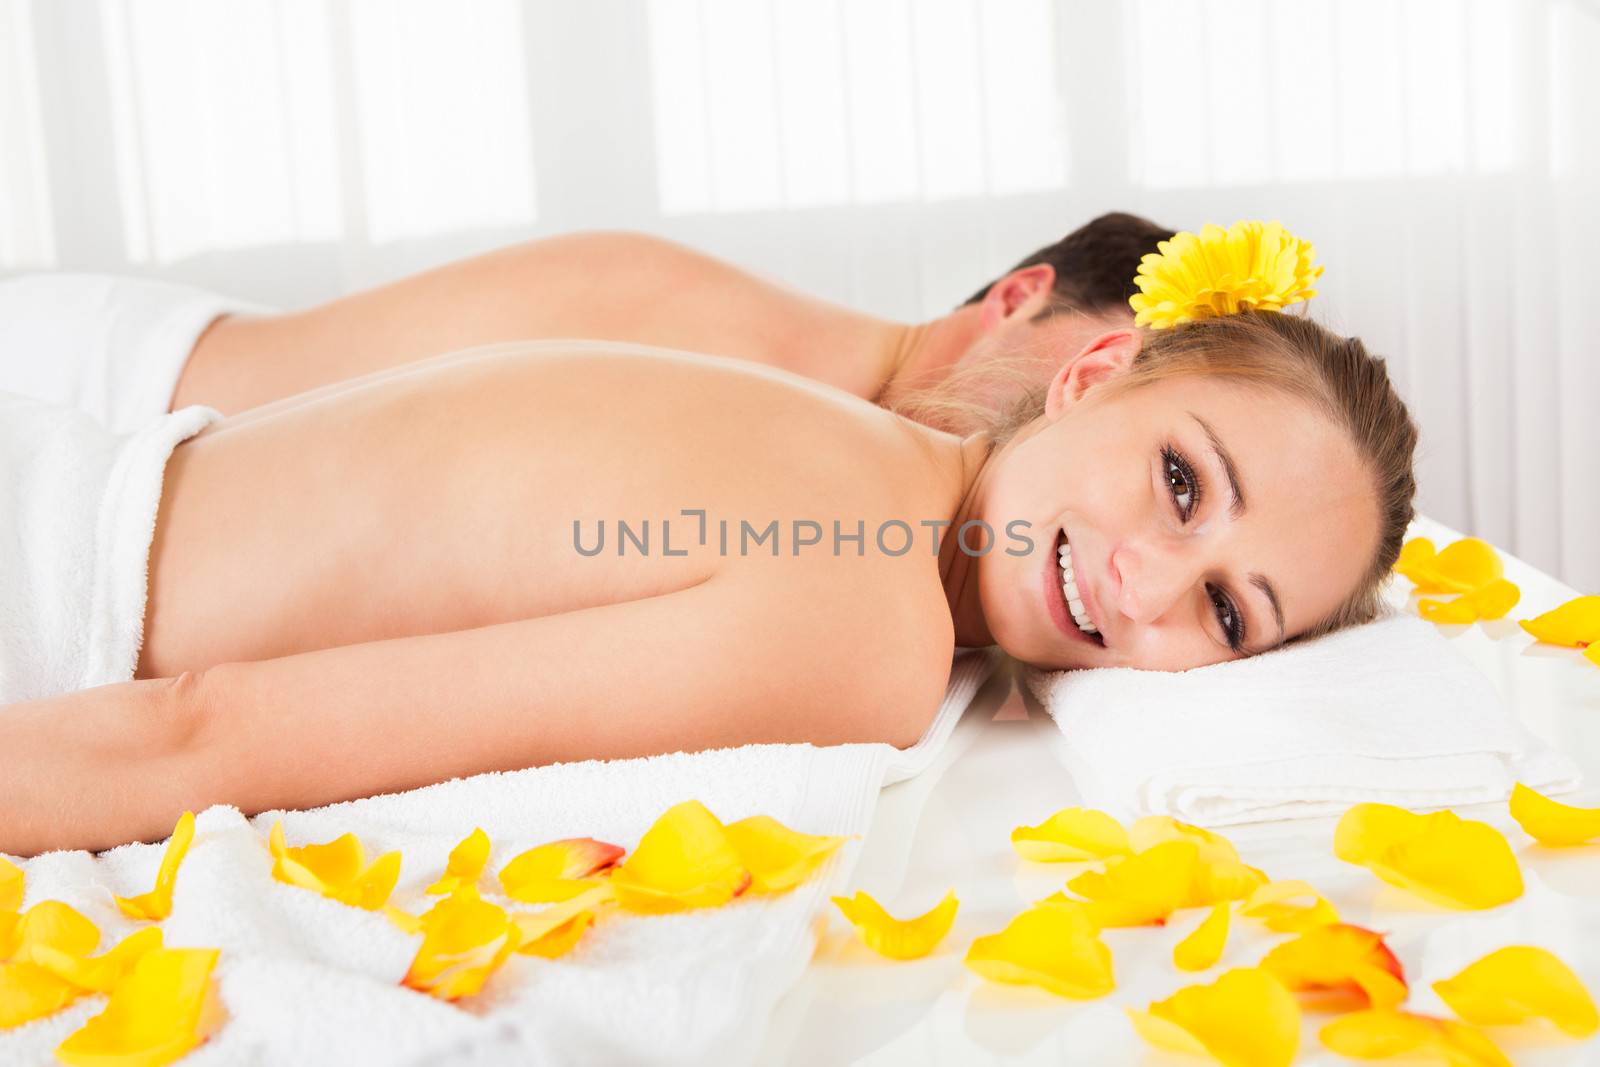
[
  {"x": 706, "y": 666},
  {"x": 606, "y": 285}
]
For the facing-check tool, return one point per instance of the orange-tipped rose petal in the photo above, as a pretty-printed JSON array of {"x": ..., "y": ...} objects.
[
  {"x": 1052, "y": 946},
  {"x": 1518, "y": 983},
  {"x": 1070, "y": 835},
  {"x": 1494, "y": 600},
  {"x": 1243, "y": 1019},
  {"x": 1574, "y": 624},
  {"x": 685, "y": 860},
  {"x": 157, "y": 903},
  {"x": 1378, "y": 1034},
  {"x": 899, "y": 939},
  {"x": 465, "y": 939},
  {"x": 558, "y": 870},
  {"x": 1550, "y": 822},
  {"x": 1203, "y": 947},
  {"x": 166, "y": 1006},
  {"x": 464, "y": 865},
  {"x": 1448, "y": 612},
  {"x": 336, "y": 869},
  {"x": 99, "y": 974},
  {"x": 10, "y": 886},
  {"x": 1289, "y": 906},
  {"x": 1455, "y": 862},
  {"x": 1144, "y": 888},
  {"x": 1349, "y": 965},
  {"x": 777, "y": 857}
]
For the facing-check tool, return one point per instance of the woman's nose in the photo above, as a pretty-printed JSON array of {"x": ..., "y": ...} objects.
[{"x": 1151, "y": 578}]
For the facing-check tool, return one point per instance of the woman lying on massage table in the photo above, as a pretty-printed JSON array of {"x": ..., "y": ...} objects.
[{"x": 393, "y": 581}]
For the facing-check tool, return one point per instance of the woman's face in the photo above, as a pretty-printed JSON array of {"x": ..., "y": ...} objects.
[{"x": 1204, "y": 519}]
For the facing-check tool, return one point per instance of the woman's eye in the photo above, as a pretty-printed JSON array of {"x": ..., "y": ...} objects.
[
  {"x": 1227, "y": 618},
  {"x": 1181, "y": 483}
]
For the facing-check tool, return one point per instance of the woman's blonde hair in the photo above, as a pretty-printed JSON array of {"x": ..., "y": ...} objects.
[{"x": 1292, "y": 354}]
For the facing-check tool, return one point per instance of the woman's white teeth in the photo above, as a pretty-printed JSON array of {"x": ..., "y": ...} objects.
[{"x": 1069, "y": 586}]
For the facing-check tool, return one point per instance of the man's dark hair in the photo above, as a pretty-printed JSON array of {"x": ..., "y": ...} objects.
[{"x": 1096, "y": 263}]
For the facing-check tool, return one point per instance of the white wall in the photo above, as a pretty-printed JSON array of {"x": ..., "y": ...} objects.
[{"x": 1444, "y": 155}]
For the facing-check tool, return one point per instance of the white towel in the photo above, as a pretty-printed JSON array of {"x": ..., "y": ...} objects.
[
  {"x": 308, "y": 981},
  {"x": 1386, "y": 712},
  {"x": 77, "y": 512},
  {"x": 112, "y": 347}
]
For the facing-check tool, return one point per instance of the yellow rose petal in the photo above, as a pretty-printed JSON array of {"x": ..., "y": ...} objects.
[
  {"x": 1378, "y": 1034},
  {"x": 1574, "y": 624},
  {"x": 10, "y": 886},
  {"x": 1448, "y": 612},
  {"x": 1203, "y": 947},
  {"x": 900, "y": 939},
  {"x": 777, "y": 857},
  {"x": 553, "y": 931},
  {"x": 1494, "y": 600},
  {"x": 1053, "y": 946},
  {"x": 157, "y": 903},
  {"x": 464, "y": 865},
  {"x": 685, "y": 860},
  {"x": 1459, "y": 567},
  {"x": 1415, "y": 553},
  {"x": 1518, "y": 983},
  {"x": 558, "y": 870},
  {"x": 1289, "y": 906},
  {"x": 166, "y": 1006},
  {"x": 1550, "y": 822},
  {"x": 1069, "y": 835},
  {"x": 29, "y": 991},
  {"x": 1153, "y": 830},
  {"x": 99, "y": 974},
  {"x": 54, "y": 923},
  {"x": 1441, "y": 857},
  {"x": 337, "y": 869},
  {"x": 403, "y": 920},
  {"x": 1144, "y": 888},
  {"x": 1346, "y": 965},
  {"x": 1592, "y": 653},
  {"x": 1243, "y": 1019},
  {"x": 465, "y": 939}
]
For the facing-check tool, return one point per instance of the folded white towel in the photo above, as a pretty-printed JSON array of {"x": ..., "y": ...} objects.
[
  {"x": 110, "y": 346},
  {"x": 310, "y": 981},
  {"x": 1387, "y": 712},
  {"x": 77, "y": 511}
]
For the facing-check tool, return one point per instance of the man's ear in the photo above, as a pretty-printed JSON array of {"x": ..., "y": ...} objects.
[
  {"x": 1107, "y": 356},
  {"x": 1024, "y": 292}
]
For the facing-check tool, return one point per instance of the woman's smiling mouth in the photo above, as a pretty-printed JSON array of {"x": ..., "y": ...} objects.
[{"x": 1061, "y": 594}]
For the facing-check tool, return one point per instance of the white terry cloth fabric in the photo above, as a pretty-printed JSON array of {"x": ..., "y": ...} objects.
[
  {"x": 78, "y": 509},
  {"x": 1387, "y": 711},
  {"x": 110, "y": 346},
  {"x": 309, "y": 981}
]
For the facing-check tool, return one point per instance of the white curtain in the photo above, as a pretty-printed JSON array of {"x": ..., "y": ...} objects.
[{"x": 1444, "y": 155}]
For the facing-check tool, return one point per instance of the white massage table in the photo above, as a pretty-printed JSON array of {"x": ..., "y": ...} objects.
[{"x": 949, "y": 828}]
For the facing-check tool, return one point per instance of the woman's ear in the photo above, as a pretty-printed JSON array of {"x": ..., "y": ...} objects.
[
  {"x": 1025, "y": 292},
  {"x": 1104, "y": 358}
]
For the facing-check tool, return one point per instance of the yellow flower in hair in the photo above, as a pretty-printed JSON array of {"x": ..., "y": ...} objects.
[{"x": 1257, "y": 266}]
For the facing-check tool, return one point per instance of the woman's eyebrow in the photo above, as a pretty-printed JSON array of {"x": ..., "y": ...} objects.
[{"x": 1236, "y": 508}]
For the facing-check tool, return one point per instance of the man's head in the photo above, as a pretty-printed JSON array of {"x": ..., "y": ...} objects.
[{"x": 1046, "y": 309}]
